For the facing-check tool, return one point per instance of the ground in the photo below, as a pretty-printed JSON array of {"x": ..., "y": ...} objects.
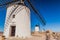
[{"x": 48, "y": 35}]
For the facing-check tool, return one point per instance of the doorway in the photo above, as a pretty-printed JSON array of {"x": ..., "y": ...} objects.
[{"x": 13, "y": 28}]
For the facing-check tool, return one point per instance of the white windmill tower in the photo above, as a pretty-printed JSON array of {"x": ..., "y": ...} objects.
[
  {"x": 37, "y": 28},
  {"x": 17, "y": 21}
]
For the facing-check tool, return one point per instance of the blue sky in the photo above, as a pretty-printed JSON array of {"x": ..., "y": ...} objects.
[{"x": 50, "y": 9}]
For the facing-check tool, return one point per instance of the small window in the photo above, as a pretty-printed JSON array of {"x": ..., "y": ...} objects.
[{"x": 13, "y": 16}]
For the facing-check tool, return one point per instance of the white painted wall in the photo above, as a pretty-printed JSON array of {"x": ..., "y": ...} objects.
[
  {"x": 6, "y": 29},
  {"x": 22, "y": 22}
]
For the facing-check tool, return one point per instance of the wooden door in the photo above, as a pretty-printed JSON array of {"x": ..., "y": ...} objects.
[{"x": 13, "y": 28}]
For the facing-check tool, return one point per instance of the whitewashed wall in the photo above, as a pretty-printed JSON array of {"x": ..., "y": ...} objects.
[
  {"x": 21, "y": 21},
  {"x": 6, "y": 28}
]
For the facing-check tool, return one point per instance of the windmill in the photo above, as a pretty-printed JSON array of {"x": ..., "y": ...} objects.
[{"x": 17, "y": 21}]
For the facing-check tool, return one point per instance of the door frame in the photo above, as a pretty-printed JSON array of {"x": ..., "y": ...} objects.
[{"x": 11, "y": 31}]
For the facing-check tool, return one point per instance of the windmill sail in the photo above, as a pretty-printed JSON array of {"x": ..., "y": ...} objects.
[{"x": 37, "y": 13}]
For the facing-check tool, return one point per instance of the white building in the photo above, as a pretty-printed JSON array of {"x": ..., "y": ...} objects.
[
  {"x": 37, "y": 28},
  {"x": 18, "y": 24}
]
